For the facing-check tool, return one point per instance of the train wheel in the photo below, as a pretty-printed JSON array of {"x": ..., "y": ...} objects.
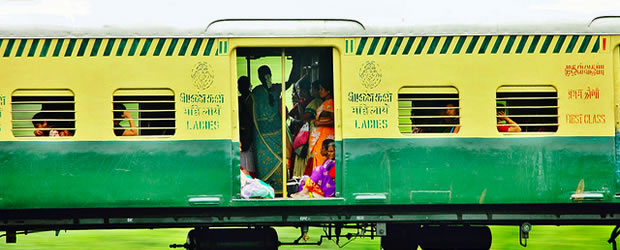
[
  {"x": 455, "y": 237},
  {"x": 206, "y": 239},
  {"x": 401, "y": 236}
]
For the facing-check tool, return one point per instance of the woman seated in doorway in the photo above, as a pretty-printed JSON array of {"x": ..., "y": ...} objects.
[{"x": 322, "y": 181}]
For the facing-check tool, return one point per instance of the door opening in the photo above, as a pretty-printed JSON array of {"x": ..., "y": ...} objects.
[{"x": 286, "y": 113}]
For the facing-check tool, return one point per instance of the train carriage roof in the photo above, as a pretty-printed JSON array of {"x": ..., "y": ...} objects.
[{"x": 317, "y": 18}]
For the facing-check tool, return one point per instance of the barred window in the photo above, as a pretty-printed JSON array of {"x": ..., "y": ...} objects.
[
  {"x": 144, "y": 112},
  {"x": 43, "y": 113},
  {"x": 428, "y": 110},
  {"x": 527, "y": 109}
]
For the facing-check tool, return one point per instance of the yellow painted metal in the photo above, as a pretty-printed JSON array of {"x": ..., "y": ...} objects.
[
  {"x": 232, "y": 75},
  {"x": 43, "y": 92},
  {"x": 428, "y": 90},
  {"x": 478, "y": 77},
  {"x": 338, "y": 90},
  {"x": 615, "y": 42},
  {"x": 142, "y": 92},
  {"x": 526, "y": 88},
  {"x": 283, "y": 118},
  {"x": 95, "y": 79}
]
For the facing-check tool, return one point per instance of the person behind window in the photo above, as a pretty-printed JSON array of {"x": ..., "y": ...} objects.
[
  {"x": 305, "y": 110},
  {"x": 120, "y": 112},
  {"x": 246, "y": 125},
  {"x": 301, "y": 98},
  {"x": 312, "y": 106},
  {"x": 44, "y": 126},
  {"x": 41, "y": 127},
  {"x": 504, "y": 123},
  {"x": 62, "y": 129},
  {"x": 321, "y": 183},
  {"x": 414, "y": 121},
  {"x": 308, "y": 116},
  {"x": 453, "y": 114},
  {"x": 323, "y": 123}
]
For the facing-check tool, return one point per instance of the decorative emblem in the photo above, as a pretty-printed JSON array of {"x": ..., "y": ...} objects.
[
  {"x": 370, "y": 74},
  {"x": 202, "y": 75}
]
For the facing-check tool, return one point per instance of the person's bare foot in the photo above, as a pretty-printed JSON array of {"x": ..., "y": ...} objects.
[{"x": 301, "y": 194}]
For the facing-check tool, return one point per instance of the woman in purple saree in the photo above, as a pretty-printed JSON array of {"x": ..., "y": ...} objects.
[{"x": 321, "y": 183}]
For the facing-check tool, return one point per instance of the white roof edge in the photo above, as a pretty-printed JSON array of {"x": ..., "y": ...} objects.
[
  {"x": 285, "y": 18},
  {"x": 159, "y": 32}
]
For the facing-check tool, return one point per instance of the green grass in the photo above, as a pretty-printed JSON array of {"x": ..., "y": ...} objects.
[
  {"x": 504, "y": 237},
  {"x": 553, "y": 237}
]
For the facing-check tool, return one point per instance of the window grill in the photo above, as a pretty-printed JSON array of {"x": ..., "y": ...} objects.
[
  {"x": 43, "y": 113},
  {"x": 533, "y": 109},
  {"x": 428, "y": 110},
  {"x": 144, "y": 112}
]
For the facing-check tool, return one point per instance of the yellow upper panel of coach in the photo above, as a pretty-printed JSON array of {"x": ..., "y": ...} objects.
[{"x": 369, "y": 73}]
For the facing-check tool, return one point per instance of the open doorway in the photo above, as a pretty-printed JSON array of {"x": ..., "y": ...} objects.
[{"x": 286, "y": 114}]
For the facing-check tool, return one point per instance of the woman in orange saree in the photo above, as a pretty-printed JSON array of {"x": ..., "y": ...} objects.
[{"x": 323, "y": 124}]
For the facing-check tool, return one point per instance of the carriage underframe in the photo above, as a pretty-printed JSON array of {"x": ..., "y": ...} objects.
[{"x": 395, "y": 224}]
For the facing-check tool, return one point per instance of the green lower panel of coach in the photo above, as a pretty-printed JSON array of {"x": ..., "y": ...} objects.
[
  {"x": 115, "y": 174},
  {"x": 477, "y": 170},
  {"x": 371, "y": 171}
]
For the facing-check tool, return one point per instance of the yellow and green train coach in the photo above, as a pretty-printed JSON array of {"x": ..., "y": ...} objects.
[{"x": 474, "y": 118}]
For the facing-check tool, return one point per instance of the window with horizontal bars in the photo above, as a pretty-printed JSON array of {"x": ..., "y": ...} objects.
[
  {"x": 144, "y": 112},
  {"x": 43, "y": 113},
  {"x": 428, "y": 110},
  {"x": 527, "y": 109}
]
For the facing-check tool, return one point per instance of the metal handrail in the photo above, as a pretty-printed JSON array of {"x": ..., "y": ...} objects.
[
  {"x": 149, "y": 128},
  {"x": 143, "y": 101},
  {"x": 42, "y": 102},
  {"x": 428, "y": 125},
  {"x": 43, "y": 120},
  {"x": 527, "y": 98},
  {"x": 428, "y": 116},
  {"x": 145, "y": 119},
  {"x": 531, "y": 116},
  {"x": 33, "y": 129},
  {"x": 429, "y": 108},
  {"x": 429, "y": 99},
  {"x": 144, "y": 110},
  {"x": 529, "y": 125},
  {"x": 526, "y": 107},
  {"x": 44, "y": 111}
]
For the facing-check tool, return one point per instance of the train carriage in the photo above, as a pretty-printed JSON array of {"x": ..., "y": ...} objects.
[{"x": 465, "y": 115}]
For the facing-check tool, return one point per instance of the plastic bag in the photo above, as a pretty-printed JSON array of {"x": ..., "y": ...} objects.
[
  {"x": 302, "y": 136},
  {"x": 255, "y": 188}
]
